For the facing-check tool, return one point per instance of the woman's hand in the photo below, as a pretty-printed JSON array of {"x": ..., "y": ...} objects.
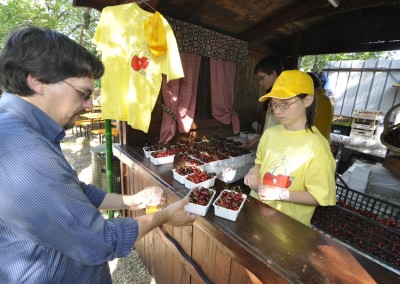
[
  {"x": 266, "y": 192},
  {"x": 252, "y": 178}
]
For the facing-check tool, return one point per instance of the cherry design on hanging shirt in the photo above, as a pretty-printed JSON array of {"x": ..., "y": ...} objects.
[{"x": 139, "y": 63}]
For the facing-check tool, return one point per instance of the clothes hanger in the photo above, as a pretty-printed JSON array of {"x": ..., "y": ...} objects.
[{"x": 140, "y": 2}]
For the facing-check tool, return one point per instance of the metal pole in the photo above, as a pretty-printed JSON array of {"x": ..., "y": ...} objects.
[{"x": 109, "y": 171}]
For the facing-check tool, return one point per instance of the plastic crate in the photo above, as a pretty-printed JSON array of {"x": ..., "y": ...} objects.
[
  {"x": 341, "y": 129},
  {"x": 99, "y": 174},
  {"x": 367, "y": 224}
]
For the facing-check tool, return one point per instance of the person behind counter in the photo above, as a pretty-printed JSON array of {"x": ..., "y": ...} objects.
[
  {"x": 52, "y": 230},
  {"x": 266, "y": 70},
  {"x": 324, "y": 114},
  {"x": 294, "y": 168}
]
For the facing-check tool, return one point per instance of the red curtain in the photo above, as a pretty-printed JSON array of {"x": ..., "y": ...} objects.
[
  {"x": 180, "y": 98},
  {"x": 222, "y": 76}
]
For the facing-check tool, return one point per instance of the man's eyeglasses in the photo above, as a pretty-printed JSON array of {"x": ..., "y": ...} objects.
[
  {"x": 85, "y": 94},
  {"x": 282, "y": 106}
]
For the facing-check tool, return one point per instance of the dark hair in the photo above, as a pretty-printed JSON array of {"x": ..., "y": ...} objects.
[
  {"x": 268, "y": 65},
  {"x": 317, "y": 82},
  {"x": 310, "y": 111},
  {"x": 46, "y": 54}
]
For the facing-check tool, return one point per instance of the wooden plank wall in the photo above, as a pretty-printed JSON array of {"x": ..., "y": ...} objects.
[
  {"x": 209, "y": 258},
  {"x": 368, "y": 84}
]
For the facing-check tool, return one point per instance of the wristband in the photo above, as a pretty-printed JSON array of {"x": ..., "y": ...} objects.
[{"x": 284, "y": 194}]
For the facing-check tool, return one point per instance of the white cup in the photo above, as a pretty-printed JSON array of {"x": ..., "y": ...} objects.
[{"x": 153, "y": 196}]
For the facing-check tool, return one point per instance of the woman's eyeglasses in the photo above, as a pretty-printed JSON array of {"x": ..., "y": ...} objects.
[
  {"x": 282, "y": 106},
  {"x": 85, "y": 94}
]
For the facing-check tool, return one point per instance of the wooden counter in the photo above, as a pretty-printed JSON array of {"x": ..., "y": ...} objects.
[{"x": 261, "y": 246}]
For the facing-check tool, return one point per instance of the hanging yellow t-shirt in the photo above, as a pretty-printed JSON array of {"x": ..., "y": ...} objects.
[
  {"x": 297, "y": 160},
  {"x": 133, "y": 75}
]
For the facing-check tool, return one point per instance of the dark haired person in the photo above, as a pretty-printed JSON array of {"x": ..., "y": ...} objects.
[
  {"x": 51, "y": 227},
  {"x": 266, "y": 70},
  {"x": 294, "y": 168},
  {"x": 324, "y": 114}
]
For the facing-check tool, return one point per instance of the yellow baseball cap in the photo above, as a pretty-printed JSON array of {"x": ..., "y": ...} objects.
[{"x": 290, "y": 84}]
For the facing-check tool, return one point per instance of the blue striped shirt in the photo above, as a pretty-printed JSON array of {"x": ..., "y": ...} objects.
[{"x": 51, "y": 230}]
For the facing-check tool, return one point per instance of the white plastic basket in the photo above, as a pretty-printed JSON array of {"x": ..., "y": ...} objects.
[
  {"x": 228, "y": 213},
  {"x": 197, "y": 209}
]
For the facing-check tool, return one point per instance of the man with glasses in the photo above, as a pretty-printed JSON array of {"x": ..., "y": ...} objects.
[
  {"x": 51, "y": 227},
  {"x": 294, "y": 167},
  {"x": 266, "y": 70}
]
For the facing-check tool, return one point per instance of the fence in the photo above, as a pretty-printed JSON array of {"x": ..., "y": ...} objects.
[{"x": 358, "y": 84}]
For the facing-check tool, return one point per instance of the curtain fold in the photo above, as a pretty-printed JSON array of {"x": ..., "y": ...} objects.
[
  {"x": 222, "y": 79},
  {"x": 180, "y": 98}
]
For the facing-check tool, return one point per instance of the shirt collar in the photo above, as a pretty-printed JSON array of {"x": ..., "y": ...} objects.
[{"x": 33, "y": 116}]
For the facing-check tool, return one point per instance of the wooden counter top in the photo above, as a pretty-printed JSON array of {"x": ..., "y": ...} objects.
[{"x": 273, "y": 246}]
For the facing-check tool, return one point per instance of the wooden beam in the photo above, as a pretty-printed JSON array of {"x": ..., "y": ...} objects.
[
  {"x": 346, "y": 7},
  {"x": 198, "y": 10},
  {"x": 288, "y": 15}
]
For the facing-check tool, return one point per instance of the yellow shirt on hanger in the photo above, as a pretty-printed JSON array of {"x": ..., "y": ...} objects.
[{"x": 133, "y": 75}]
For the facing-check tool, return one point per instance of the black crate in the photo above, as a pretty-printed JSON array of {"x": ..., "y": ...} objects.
[
  {"x": 366, "y": 223},
  {"x": 341, "y": 129}
]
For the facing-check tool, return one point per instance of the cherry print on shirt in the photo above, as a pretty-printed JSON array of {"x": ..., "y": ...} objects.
[
  {"x": 139, "y": 63},
  {"x": 280, "y": 180}
]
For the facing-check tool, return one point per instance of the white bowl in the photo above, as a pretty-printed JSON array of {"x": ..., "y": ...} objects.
[
  {"x": 228, "y": 213},
  {"x": 197, "y": 209},
  {"x": 207, "y": 183},
  {"x": 162, "y": 160},
  {"x": 178, "y": 177},
  {"x": 146, "y": 152}
]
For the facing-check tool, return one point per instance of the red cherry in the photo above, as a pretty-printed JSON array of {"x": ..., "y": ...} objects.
[
  {"x": 283, "y": 181},
  {"x": 269, "y": 179},
  {"x": 135, "y": 63},
  {"x": 139, "y": 63}
]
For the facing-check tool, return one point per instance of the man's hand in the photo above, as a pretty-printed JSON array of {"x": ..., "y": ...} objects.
[
  {"x": 175, "y": 214},
  {"x": 138, "y": 200}
]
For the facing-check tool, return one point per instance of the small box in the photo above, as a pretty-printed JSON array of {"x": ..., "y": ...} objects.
[
  {"x": 224, "y": 162},
  {"x": 147, "y": 152},
  {"x": 228, "y": 213},
  {"x": 197, "y": 209},
  {"x": 162, "y": 160},
  {"x": 210, "y": 167},
  {"x": 207, "y": 183},
  {"x": 237, "y": 159},
  {"x": 178, "y": 177},
  {"x": 367, "y": 114}
]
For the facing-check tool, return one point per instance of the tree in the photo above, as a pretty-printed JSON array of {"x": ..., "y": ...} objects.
[
  {"x": 76, "y": 22},
  {"x": 315, "y": 63}
]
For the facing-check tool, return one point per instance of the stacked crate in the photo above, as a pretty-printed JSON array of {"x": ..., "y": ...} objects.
[
  {"x": 364, "y": 123},
  {"x": 341, "y": 125}
]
